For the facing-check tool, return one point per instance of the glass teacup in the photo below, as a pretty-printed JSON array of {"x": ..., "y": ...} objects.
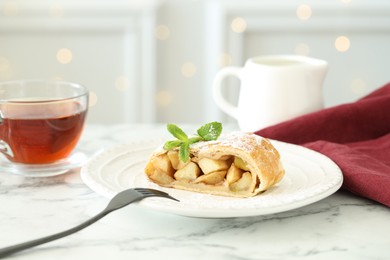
[{"x": 41, "y": 121}]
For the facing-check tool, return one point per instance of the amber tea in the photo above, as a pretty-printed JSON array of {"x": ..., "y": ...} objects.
[{"x": 42, "y": 140}]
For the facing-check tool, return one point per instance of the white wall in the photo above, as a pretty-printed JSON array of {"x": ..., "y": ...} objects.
[
  {"x": 155, "y": 60},
  {"x": 109, "y": 46}
]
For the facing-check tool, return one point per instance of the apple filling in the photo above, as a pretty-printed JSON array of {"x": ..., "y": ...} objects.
[{"x": 228, "y": 171}]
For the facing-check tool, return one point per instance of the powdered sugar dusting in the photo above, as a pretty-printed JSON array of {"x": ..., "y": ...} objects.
[{"x": 240, "y": 140}]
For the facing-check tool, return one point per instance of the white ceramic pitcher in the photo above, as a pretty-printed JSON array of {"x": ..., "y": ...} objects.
[{"x": 273, "y": 89}]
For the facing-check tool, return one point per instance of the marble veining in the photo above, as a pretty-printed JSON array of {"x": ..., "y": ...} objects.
[{"x": 342, "y": 226}]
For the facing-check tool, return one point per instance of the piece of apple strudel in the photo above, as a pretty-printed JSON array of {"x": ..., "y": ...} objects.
[{"x": 237, "y": 164}]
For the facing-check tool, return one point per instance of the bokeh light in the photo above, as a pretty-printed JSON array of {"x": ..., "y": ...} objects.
[
  {"x": 358, "y": 86},
  {"x": 4, "y": 64},
  {"x": 163, "y": 98},
  {"x": 302, "y": 49},
  {"x": 10, "y": 9},
  {"x": 342, "y": 43},
  {"x": 239, "y": 25},
  {"x": 162, "y": 32},
  {"x": 122, "y": 83},
  {"x": 56, "y": 11},
  {"x": 93, "y": 99},
  {"x": 188, "y": 69},
  {"x": 225, "y": 59},
  {"x": 64, "y": 56},
  {"x": 304, "y": 12}
]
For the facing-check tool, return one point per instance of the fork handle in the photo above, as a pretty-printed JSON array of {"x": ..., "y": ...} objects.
[{"x": 22, "y": 246}]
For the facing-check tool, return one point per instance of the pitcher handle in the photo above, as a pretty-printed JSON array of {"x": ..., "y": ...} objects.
[{"x": 219, "y": 99}]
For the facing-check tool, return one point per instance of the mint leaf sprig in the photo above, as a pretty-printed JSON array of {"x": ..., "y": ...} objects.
[{"x": 208, "y": 132}]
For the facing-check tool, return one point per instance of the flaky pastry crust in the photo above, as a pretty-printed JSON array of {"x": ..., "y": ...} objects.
[{"x": 252, "y": 157}]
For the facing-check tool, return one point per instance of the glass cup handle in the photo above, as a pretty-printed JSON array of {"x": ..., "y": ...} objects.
[
  {"x": 5, "y": 149},
  {"x": 219, "y": 99}
]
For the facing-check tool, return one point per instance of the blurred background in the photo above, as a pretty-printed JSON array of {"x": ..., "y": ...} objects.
[{"x": 148, "y": 61}]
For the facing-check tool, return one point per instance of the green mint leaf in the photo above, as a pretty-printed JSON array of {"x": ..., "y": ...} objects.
[
  {"x": 177, "y": 132},
  {"x": 210, "y": 131},
  {"x": 184, "y": 152},
  {"x": 207, "y": 132},
  {"x": 194, "y": 139},
  {"x": 172, "y": 144}
]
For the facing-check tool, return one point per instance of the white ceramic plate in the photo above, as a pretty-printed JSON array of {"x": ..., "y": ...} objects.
[{"x": 310, "y": 177}]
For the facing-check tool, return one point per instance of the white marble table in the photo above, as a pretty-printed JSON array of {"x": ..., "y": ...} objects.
[{"x": 341, "y": 226}]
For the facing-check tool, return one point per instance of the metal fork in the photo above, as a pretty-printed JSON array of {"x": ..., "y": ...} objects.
[{"x": 120, "y": 200}]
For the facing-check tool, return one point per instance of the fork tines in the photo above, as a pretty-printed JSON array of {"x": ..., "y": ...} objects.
[
  {"x": 151, "y": 192},
  {"x": 154, "y": 192}
]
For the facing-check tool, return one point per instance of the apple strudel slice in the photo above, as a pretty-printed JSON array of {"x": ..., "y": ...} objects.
[{"x": 237, "y": 164}]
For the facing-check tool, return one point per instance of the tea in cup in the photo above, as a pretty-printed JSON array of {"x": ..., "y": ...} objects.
[
  {"x": 41, "y": 121},
  {"x": 273, "y": 89}
]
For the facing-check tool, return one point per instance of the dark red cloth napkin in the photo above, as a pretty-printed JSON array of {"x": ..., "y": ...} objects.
[{"x": 356, "y": 136}]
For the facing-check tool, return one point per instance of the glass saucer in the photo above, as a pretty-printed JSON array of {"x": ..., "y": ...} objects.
[{"x": 75, "y": 160}]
